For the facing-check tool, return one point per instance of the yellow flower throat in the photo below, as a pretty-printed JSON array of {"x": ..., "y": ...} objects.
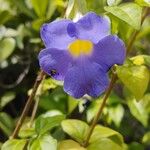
[{"x": 80, "y": 47}]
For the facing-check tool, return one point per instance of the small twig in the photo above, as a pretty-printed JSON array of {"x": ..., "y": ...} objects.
[
  {"x": 28, "y": 104},
  {"x": 96, "y": 118},
  {"x": 34, "y": 111},
  {"x": 35, "y": 107},
  {"x": 111, "y": 85}
]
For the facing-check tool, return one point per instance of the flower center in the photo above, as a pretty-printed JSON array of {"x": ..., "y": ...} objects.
[{"x": 80, "y": 47}]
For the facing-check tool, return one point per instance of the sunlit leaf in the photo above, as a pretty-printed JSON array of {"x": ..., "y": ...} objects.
[
  {"x": 26, "y": 131},
  {"x": 135, "y": 78},
  {"x": 36, "y": 24},
  {"x": 70, "y": 145},
  {"x": 6, "y": 123},
  {"x": 7, "y": 46},
  {"x": 104, "y": 144},
  {"x": 6, "y": 98},
  {"x": 40, "y": 6},
  {"x": 143, "y": 2},
  {"x": 45, "y": 142},
  {"x": 116, "y": 114},
  {"x": 128, "y": 12},
  {"x": 76, "y": 8},
  {"x": 141, "y": 60},
  {"x": 101, "y": 132},
  {"x": 44, "y": 124},
  {"x": 75, "y": 128},
  {"x": 138, "y": 111},
  {"x": 146, "y": 138},
  {"x": 113, "y": 2},
  {"x": 14, "y": 144}
]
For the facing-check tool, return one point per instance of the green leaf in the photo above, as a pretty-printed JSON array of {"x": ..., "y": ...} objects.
[
  {"x": 69, "y": 8},
  {"x": 5, "y": 16},
  {"x": 26, "y": 131},
  {"x": 101, "y": 132},
  {"x": 143, "y": 2},
  {"x": 6, "y": 98},
  {"x": 128, "y": 12},
  {"x": 138, "y": 111},
  {"x": 146, "y": 138},
  {"x": 7, "y": 46},
  {"x": 40, "y": 7},
  {"x": 52, "y": 6},
  {"x": 75, "y": 128},
  {"x": 76, "y": 8},
  {"x": 6, "y": 123},
  {"x": 70, "y": 145},
  {"x": 136, "y": 146},
  {"x": 141, "y": 60},
  {"x": 44, "y": 124},
  {"x": 104, "y": 144},
  {"x": 36, "y": 24},
  {"x": 82, "y": 6},
  {"x": 93, "y": 109},
  {"x": 146, "y": 102},
  {"x": 14, "y": 144},
  {"x": 116, "y": 114},
  {"x": 113, "y": 2},
  {"x": 45, "y": 142},
  {"x": 23, "y": 8},
  {"x": 135, "y": 78},
  {"x": 72, "y": 104}
]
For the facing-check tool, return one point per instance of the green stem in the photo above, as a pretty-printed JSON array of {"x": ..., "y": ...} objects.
[
  {"x": 27, "y": 107},
  {"x": 96, "y": 118}
]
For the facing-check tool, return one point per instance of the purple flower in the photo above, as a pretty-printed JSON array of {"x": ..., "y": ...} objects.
[{"x": 81, "y": 53}]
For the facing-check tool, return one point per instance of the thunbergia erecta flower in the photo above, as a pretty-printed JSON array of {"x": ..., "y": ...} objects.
[{"x": 81, "y": 53}]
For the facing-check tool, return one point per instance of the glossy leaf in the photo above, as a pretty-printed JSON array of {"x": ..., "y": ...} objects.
[
  {"x": 104, "y": 144},
  {"x": 14, "y": 144},
  {"x": 76, "y": 8},
  {"x": 40, "y": 7},
  {"x": 143, "y": 2},
  {"x": 113, "y": 2},
  {"x": 101, "y": 132},
  {"x": 7, "y": 46},
  {"x": 6, "y": 123},
  {"x": 135, "y": 78},
  {"x": 128, "y": 12},
  {"x": 45, "y": 142},
  {"x": 44, "y": 124},
  {"x": 76, "y": 129},
  {"x": 26, "y": 131},
  {"x": 116, "y": 114},
  {"x": 6, "y": 98},
  {"x": 70, "y": 145},
  {"x": 138, "y": 111},
  {"x": 146, "y": 138}
]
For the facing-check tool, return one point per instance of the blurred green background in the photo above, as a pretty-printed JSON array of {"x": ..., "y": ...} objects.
[{"x": 20, "y": 43}]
